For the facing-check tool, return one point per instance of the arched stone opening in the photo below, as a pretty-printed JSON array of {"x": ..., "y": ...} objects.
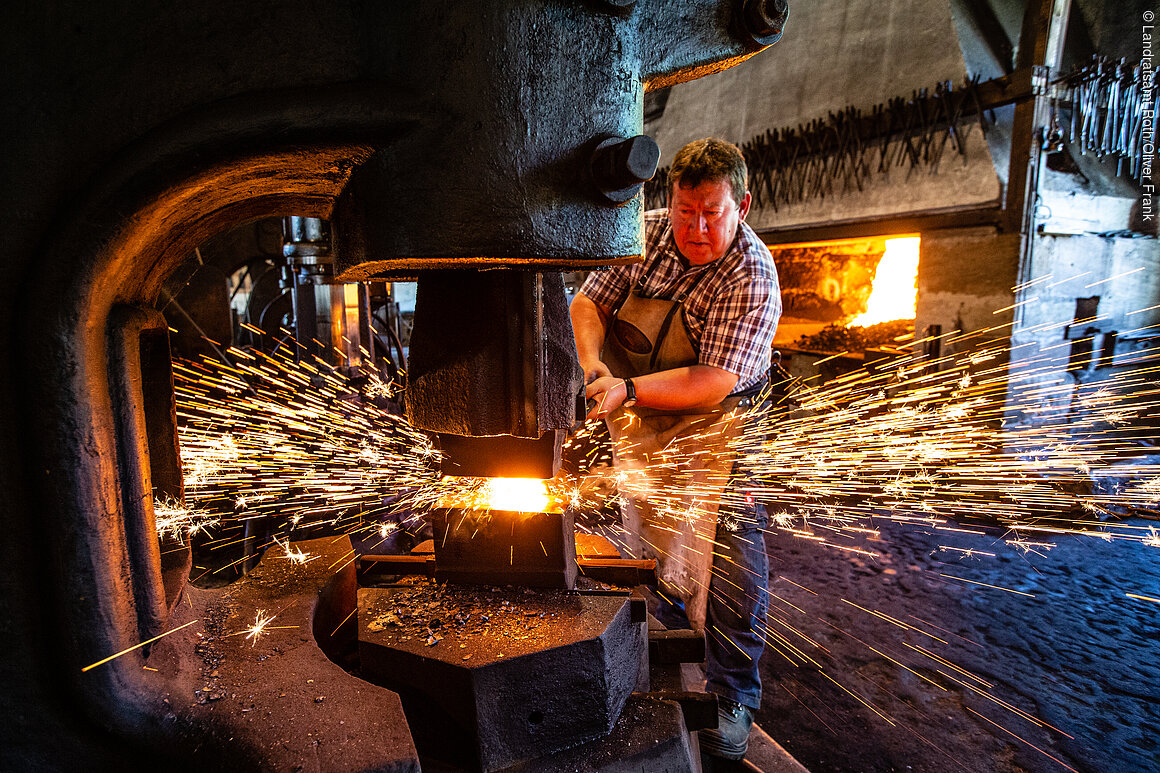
[{"x": 92, "y": 292}]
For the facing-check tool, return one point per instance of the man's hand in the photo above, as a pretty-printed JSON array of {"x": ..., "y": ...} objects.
[
  {"x": 594, "y": 370},
  {"x": 605, "y": 394},
  {"x": 693, "y": 387}
]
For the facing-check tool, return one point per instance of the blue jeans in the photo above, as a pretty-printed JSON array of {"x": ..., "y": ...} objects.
[{"x": 738, "y": 601}]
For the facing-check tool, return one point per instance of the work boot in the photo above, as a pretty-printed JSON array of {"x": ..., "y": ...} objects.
[{"x": 730, "y": 739}]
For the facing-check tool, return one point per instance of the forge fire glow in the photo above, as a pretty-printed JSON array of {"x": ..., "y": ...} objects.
[
  {"x": 893, "y": 295},
  {"x": 521, "y": 495},
  {"x": 516, "y": 495}
]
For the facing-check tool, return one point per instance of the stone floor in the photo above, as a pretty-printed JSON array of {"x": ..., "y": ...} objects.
[{"x": 927, "y": 658}]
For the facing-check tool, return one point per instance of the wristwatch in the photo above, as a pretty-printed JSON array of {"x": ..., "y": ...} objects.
[{"x": 629, "y": 394}]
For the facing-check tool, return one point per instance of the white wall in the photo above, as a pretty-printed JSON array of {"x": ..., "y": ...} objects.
[{"x": 1124, "y": 273}]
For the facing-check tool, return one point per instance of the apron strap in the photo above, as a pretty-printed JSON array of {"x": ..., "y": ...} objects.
[
  {"x": 664, "y": 331},
  {"x": 678, "y": 299}
]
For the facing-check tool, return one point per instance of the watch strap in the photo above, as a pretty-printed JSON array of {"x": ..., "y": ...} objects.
[{"x": 629, "y": 393}]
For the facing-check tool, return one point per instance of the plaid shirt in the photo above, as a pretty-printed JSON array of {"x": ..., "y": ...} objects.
[{"x": 732, "y": 304}]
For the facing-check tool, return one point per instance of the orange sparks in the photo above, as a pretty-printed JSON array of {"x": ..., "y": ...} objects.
[
  {"x": 136, "y": 646},
  {"x": 1142, "y": 598},
  {"x": 985, "y": 585}
]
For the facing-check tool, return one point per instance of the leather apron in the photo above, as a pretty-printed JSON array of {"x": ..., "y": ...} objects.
[{"x": 672, "y": 467}]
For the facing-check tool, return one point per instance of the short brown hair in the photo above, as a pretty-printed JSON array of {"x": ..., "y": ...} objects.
[{"x": 710, "y": 159}]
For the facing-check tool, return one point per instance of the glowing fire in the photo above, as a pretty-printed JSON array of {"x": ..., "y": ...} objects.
[
  {"x": 894, "y": 294},
  {"x": 521, "y": 495}
]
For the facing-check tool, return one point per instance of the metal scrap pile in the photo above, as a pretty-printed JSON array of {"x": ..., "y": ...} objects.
[
  {"x": 423, "y": 611},
  {"x": 836, "y": 338}
]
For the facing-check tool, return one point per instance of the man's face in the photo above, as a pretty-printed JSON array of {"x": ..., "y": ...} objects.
[{"x": 705, "y": 219}]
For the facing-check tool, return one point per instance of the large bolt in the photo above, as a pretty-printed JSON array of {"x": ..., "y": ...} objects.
[
  {"x": 765, "y": 19},
  {"x": 621, "y": 166}
]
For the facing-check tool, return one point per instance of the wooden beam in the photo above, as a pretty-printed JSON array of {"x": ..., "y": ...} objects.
[
  {"x": 1040, "y": 47},
  {"x": 883, "y": 226},
  {"x": 1007, "y": 89}
]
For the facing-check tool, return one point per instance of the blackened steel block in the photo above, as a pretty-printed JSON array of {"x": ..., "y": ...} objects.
[
  {"x": 650, "y": 737},
  {"x": 374, "y": 568},
  {"x": 492, "y": 353},
  {"x": 500, "y": 456},
  {"x": 679, "y": 645},
  {"x": 493, "y": 677},
  {"x": 501, "y": 547}
]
